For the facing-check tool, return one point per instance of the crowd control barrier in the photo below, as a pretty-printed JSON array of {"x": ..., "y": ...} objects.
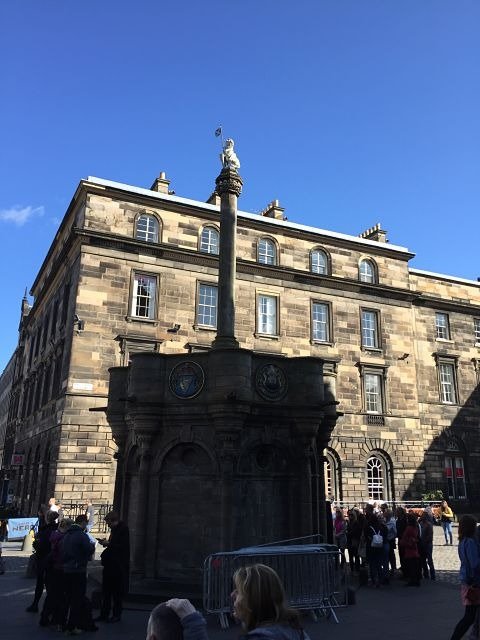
[{"x": 311, "y": 574}]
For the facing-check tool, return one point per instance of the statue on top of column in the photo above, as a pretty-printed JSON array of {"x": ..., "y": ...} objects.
[{"x": 228, "y": 156}]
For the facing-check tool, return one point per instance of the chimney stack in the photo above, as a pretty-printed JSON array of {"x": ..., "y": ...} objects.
[
  {"x": 375, "y": 233},
  {"x": 273, "y": 210},
  {"x": 161, "y": 183}
]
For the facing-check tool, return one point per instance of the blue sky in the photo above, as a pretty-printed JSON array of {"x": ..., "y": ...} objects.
[{"x": 351, "y": 112}]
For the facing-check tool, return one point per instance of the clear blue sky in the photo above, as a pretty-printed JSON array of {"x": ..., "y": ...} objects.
[{"x": 349, "y": 111}]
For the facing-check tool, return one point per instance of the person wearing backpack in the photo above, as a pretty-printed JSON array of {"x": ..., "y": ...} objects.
[
  {"x": 391, "y": 535},
  {"x": 376, "y": 538}
]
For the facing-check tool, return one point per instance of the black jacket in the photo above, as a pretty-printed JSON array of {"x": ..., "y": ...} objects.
[{"x": 117, "y": 554}]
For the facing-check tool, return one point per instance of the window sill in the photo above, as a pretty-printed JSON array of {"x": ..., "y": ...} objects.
[
  {"x": 204, "y": 327},
  {"x": 373, "y": 350},
  {"x": 477, "y": 344},
  {"x": 322, "y": 343},
  {"x": 268, "y": 336},
  {"x": 444, "y": 340},
  {"x": 151, "y": 321}
]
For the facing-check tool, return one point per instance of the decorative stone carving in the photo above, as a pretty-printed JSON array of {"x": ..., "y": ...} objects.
[
  {"x": 271, "y": 382},
  {"x": 229, "y": 182},
  {"x": 186, "y": 380}
]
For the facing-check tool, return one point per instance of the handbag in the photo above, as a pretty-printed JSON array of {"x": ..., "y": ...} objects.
[{"x": 377, "y": 539}]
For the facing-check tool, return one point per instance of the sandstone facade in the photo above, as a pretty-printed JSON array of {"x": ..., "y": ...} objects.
[{"x": 409, "y": 396}]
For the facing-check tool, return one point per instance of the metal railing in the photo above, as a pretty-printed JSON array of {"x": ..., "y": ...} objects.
[
  {"x": 74, "y": 509},
  {"x": 312, "y": 575}
]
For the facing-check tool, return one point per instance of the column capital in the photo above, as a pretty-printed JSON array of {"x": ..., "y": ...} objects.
[{"x": 229, "y": 181}]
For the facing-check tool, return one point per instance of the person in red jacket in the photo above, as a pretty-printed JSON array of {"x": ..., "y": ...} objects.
[{"x": 409, "y": 543}]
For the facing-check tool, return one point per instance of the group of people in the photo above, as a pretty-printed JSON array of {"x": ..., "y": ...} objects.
[
  {"x": 372, "y": 535},
  {"x": 63, "y": 548}
]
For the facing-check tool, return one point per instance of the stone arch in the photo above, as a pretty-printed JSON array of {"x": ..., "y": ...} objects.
[
  {"x": 272, "y": 243},
  {"x": 367, "y": 270},
  {"x": 187, "y": 484},
  {"x": 333, "y": 475},
  {"x": 158, "y": 463},
  {"x": 379, "y": 476}
]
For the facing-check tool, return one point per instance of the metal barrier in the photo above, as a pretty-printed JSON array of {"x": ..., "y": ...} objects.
[{"x": 311, "y": 574}]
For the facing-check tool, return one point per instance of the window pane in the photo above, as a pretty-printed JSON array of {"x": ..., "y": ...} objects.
[
  {"x": 375, "y": 479},
  {"x": 143, "y": 302},
  {"x": 266, "y": 252},
  {"x": 373, "y": 393},
  {"x": 267, "y": 315},
  {"x": 319, "y": 262},
  {"x": 147, "y": 228},
  {"x": 207, "y": 305},
  {"x": 320, "y": 322},
  {"x": 209, "y": 240},
  {"x": 367, "y": 272},
  {"x": 447, "y": 383},
  {"x": 441, "y": 326},
  {"x": 369, "y": 329},
  {"x": 476, "y": 325}
]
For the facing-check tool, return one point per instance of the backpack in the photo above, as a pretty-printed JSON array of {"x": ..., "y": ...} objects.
[{"x": 377, "y": 539}]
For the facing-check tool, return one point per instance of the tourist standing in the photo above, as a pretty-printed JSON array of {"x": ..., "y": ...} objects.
[
  {"x": 469, "y": 553},
  {"x": 90, "y": 513},
  {"x": 340, "y": 530},
  {"x": 116, "y": 568},
  {"x": 426, "y": 546},
  {"x": 391, "y": 535},
  {"x": 446, "y": 517},
  {"x": 41, "y": 544},
  {"x": 77, "y": 550},
  {"x": 409, "y": 543}
]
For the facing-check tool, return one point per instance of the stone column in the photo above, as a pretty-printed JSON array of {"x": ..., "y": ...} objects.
[
  {"x": 228, "y": 186},
  {"x": 144, "y": 442}
]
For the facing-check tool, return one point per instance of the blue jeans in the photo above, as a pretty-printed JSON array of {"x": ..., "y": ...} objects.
[{"x": 447, "y": 529}]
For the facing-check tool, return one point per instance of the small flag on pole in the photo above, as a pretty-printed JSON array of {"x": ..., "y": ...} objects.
[{"x": 218, "y": 132}]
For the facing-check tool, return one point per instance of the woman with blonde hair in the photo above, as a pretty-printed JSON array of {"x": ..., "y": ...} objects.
[{"x": 259, "y": 604}]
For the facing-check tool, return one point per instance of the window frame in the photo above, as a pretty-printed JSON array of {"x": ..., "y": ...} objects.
[
  {"x": 441, "y": 369},
  {"x": 276, "y": 298},
  {"x": 382, "y": 373},
  {"x": 320, "y": 250},
  {"x": 377, "y": 346},
  {"x": 154, "y": 314},
  {"x": 382, "y": 495},
  {"x": 210, "y": 228},
  {"x": 454, "y": 480},
  {"x": 328, "y": 323},
  {"x": 361, "y": 276},
  {"x": 445, "y": 328},
  {"x": 476, "y": 330},
  {"x": 274, "y": 245},
  {"x": 151, "y": 216},
  {"x": 198, "y": 323}
]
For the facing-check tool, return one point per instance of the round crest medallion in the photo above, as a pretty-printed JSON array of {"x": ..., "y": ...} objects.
[
  {"x": 271, "y": 382},
  {"x": 186, "y": 380}
]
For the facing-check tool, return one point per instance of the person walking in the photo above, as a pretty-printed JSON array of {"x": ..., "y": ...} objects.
[
  {"x": 340, "y": 530},
  {"x": 469, "y": 554},
  {"x": 116, "y": 567},
  {"x": 446, "y": 517}
]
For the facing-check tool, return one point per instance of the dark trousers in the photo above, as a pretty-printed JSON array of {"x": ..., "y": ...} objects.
[
  {"x": 413, "y": 571},
  {"x": 75, "y": 590},
  {"x": 40, "y": 584},
  {"x": 466, "y": 622},
  {"x": 113, "y": 590},
  {"x": 427, "y": 560},
  {"x": 54, "y": 608}
]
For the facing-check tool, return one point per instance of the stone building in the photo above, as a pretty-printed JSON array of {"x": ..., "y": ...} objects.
[{"x": 135, "y": 270}]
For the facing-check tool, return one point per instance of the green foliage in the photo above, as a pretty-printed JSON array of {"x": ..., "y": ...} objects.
[{"x": 437, "y": 494}]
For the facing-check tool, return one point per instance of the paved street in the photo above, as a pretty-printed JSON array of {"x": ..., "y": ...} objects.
[{"x": 434, "y": 607}]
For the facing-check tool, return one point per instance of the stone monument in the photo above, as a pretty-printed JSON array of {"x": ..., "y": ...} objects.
[{"x": 220, "y": 449}]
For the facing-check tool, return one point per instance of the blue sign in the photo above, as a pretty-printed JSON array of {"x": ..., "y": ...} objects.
[{"x": 19, "y": 527}]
